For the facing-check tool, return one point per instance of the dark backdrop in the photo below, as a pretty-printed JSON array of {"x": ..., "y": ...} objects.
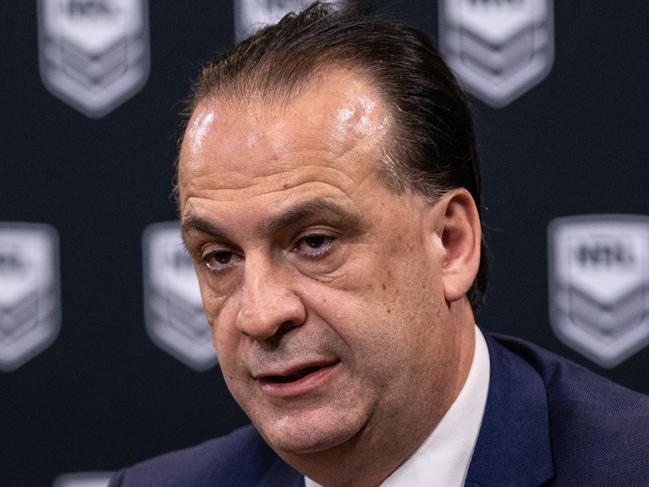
[{"x": 103, "y": 395}]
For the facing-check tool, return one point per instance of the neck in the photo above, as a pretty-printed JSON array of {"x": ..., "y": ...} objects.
[{"x": 391, "y": 437}]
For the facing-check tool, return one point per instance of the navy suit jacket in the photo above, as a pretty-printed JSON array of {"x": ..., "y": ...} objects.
[{"x": 547, "y": 422}]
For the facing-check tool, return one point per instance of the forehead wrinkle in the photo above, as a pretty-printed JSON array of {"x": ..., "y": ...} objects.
[
  {"x": 220, "y": 203},
  {"x": 278, "y": 161},
  {"x": 339, "y": 183},
  {"x": 243, "y": 187},
  {"x": 208, "y": 203}
]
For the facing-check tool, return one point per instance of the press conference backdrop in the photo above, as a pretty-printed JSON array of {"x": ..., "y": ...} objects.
[{"x": 105, "y": 354}]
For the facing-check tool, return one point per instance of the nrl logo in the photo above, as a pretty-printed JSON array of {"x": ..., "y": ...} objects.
[
  {"x": 84, "y": 479},
  {"x": 29, "y": 291},
  {"x": 251, "y": 15},
  {"x": 498, "y": 48},
  {"x": 94, "y": 54},
  {"x": 599, "y": 285},
  {"x": 174, "y": 314}
]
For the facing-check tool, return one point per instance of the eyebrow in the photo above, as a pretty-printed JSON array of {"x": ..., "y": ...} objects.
[
  {"x": 198, "y": 224},
  {"x": 317, "y": 207}
]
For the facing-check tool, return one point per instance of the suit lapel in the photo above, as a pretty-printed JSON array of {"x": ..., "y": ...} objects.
[{"x": 513, "y": 447}]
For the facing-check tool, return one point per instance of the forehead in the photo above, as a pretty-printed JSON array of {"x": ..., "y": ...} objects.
[{"x": 334, "y": 128}]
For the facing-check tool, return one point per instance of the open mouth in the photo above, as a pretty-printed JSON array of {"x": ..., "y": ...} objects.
[
  {"x": 295, "y": 376},
  {"x": 298, "y": 380}
]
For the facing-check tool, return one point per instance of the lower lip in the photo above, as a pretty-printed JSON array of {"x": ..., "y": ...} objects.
[{"x": 299, "y": 387}]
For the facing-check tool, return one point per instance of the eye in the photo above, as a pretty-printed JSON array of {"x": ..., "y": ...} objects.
[
  {"x": 314, "y": 245},
  {"x": 220, "y": 260}
]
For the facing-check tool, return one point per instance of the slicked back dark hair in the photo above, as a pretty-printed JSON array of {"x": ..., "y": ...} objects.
[{"x": 432, "y": 146}]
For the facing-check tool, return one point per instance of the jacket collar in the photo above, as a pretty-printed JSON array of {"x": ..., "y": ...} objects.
[{"x": 513, "y": 446}]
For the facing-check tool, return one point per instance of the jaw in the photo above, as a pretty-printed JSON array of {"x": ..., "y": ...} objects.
[
  {"x": 338, "y": 444},
  {"x": 372, "y": 449},
  {"x": 309, "y": 434},
  {"x": 364, "y": 459}
]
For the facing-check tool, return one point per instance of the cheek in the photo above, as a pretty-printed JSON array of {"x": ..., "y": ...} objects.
[
  {"x": 218, "y": 307},
  {"x": 403, "y": 305},
  {"x": 221, "y": 317},
  {"x": 361, "y": 317},
  {"x": 227, "y": 346}
]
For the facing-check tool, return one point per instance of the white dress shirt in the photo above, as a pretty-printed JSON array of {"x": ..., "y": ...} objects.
[{"x": 443, "y": 458}]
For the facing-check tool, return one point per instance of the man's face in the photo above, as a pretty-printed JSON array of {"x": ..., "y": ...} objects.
[{"x": 321, "y": 286}]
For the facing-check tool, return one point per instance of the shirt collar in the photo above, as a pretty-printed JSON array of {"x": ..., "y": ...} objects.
[{"x": 444, "y": 457}]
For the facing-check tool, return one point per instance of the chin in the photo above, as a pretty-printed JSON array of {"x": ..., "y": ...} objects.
[{"x": 306, "y": 434}]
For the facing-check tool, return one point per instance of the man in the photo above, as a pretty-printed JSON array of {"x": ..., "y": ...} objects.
[{"x": 329, "y": 196}]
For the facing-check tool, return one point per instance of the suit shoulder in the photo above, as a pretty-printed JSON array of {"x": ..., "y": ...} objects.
[
  {"x": 599, "y": 429},
  {"x": 569, "y": 383},
  {"x": 240, "y": 458}
]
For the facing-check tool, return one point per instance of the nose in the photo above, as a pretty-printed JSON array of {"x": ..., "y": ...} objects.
[{"x": 268, "y": 301}]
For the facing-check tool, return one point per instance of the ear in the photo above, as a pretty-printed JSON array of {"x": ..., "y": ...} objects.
[{"x": 457, "y": 227}]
